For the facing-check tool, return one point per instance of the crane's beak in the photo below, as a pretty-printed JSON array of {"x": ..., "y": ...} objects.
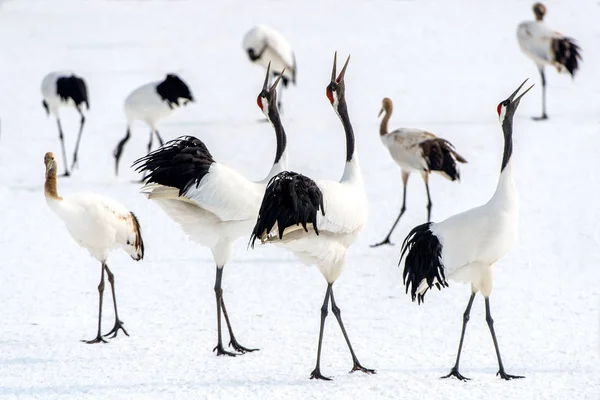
[
  {"x": 274, "y": 85},
  {"x": 380, "y": 112},
  {"x": 343, "y": 71},
  {"x": 267, "y": 77},
  {"x": 511, "y": 97}
]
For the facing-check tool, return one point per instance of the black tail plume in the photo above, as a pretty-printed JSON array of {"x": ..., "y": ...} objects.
[
  {"x": 568, "y": 53},
  {"x": 441, "y": 156}
]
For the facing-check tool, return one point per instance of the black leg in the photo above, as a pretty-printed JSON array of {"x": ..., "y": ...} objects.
[
  {"x": 454, "y": 372},
  {"x": 544, "y": 115},
  {"x": 78, "y": 140},
  {"x": 150, "y": 142},
  {"x": 490, "y": 322},
  {"x": 219, "y": 296},
  {"x": 119, "y": 150},
  {"x": 405, "y": 176},
  {"x": 233, "y": 342},
  {"x": 62, "y": 143},
  {"x": 118, "y": 322},
  {"x": 426, "y": 179},
  {"x": 99, "y": 337},
  {"x": 338, "y": 315},
  {"x": 160, "y": 141},
  {"x": 316, "y": 373}
]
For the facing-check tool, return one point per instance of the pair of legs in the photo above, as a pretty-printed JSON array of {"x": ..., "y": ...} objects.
[
  {"x": 405, "y": 176},
  {"x": 119, "y": 149},
  {"x": 488, "y": 317},
  {"x": 62, "y": 143},
  {"x": 221, "y": 307},
  {"x": 316, "y": 373},
  {"x": 118, "y": 323}
]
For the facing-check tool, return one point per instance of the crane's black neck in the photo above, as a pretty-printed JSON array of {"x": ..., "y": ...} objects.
[
  {"x": 508, "y": 142},
  {"x": 279, "y": 132},
  {"x": 343, "y": 113}
]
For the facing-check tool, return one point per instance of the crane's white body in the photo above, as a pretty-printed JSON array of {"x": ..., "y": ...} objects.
[
  {"x": 474, "y": 240},
  {"x": 221, "y": 209},
  {"x": 535, "y": 40},
  {"x": 53, "y": 100},
  {"x": 403, "y": 145},
  {"x": 346, "y": 214},
  {"x": 278, "y": 50},
  {"x": 144, "y": 104},
  {"x": 97, "y": 223}
]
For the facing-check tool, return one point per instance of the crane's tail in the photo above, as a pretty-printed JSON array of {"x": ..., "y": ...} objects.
[
  {"x": 567, "y": 53},
  {"x": 423, "y": 266},
  {"x": 135, "y": 243},
  {"x": 442, "y": 158}
]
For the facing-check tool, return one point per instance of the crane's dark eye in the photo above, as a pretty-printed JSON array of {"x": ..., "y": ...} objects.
[{"x": 505, "y": 103}]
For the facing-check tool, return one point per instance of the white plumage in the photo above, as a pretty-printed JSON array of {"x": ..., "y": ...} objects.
[
  {"x": 417, "y": 150},
  {"x": 65, "y": 89},
  {"x": 547, "y": 47},
  {"x": 466, "y": 246},
  {"x": 213, "y": 204},
  {"x": 98, "y": 224},
  {"x": 150, "y": 103}
]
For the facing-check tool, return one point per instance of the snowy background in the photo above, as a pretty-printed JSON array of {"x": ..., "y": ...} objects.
[{"x": 446, "y": 65}]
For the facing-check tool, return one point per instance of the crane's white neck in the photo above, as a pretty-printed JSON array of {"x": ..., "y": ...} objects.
[
  {"x": 352, "y": 173},
  {"x": 506, "y": 191},
  {"x": 280, "y": 166}
]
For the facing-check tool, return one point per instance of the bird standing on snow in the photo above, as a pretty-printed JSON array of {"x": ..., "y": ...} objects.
[
  {"x": 415, "y": 149},
  {"x": 466, "y": 246},
  {"x": 264, "y": 46},
  {"x": 547, "y": 47},
  {"x": 60, "y": 89},
  {"x": 212, "y": 203},
  {"x": 150, "y": 103},
  {"x": 98, "y": 224},
  {"x": 336, "y": 212}
]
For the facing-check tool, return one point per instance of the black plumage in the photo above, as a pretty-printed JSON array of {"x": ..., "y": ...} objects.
[
  {"x": 74, "y": 88},
  {"x": 423, "y": 261},
  {"x": 441, "y": 156},
  {"x": 180, "y": 163},
  {"x": 290, "y": 199},
  {"x": 172, "y": 88},
  {"x": 567, "y": 53}
]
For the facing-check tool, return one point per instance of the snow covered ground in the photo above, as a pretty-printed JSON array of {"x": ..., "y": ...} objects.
[{"x": 446, "y": 65}]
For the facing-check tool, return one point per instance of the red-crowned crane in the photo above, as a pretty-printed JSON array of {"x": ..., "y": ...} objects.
[
  {"x": 150, "y": 103},
  {"x": 65, "y": 89},
  {"x": 98, "y": 224},
  {"x": 264, "y": 46},
  {"x": 547, "y": 47},
  {"x": 319, "y": 220},
  {"x": 417, "y": 150},
  {"x": 213, "y": 204},
  {"x": 467, "y": 246}
]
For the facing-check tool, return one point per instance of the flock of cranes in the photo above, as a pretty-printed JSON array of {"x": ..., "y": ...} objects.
[{"x": 315, "y": 220}]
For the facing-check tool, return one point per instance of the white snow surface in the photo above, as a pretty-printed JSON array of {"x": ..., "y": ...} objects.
[{"x": 445, "y": 64}]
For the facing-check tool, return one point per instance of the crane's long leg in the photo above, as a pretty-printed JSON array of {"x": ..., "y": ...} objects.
[
  {"x": 490, "y": 322},
  {"x": 316, "y": 373},
  {"x": 150, "y": 141},
  {"x": 99, "y": 337},
  {"x": 405, "y": 176},
  {"x": 219, "y": 296},
  {"x": 544, "y": 115},
  {"x": 62, "y": 143},
  {"x": 426, "y": 180},
  {"x": 454, "y": 372},
  {"x": 82, "y": 123},
  {"x": 338, "y": 315},
  {"x": 118, "y": 322},
  {"x": 119, "y": 150},
  {"x": 160, "y": 141}
]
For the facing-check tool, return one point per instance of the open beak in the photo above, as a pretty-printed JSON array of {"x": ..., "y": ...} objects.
[
  {"x": 274, "y": 85},
  {"x": 511, "y": 97},
  {"x": 342, "y": 72}
]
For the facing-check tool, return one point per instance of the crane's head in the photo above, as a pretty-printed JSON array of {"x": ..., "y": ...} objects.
[
  {"x": 336, "y": 88},
  {"x": 50, "y": 162},
  {"x": 386, "y": 106},
  {"x": 267, "y": 98},
  {"x": 506, "y": 109},
  {"x": 539, "y": 10},
  {"x": 179, "y": 89}
]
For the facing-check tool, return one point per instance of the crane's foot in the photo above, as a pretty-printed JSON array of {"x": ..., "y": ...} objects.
[
  {"x": 542, "y": 118},
  {"x": 316, "y": 374},
  {"x": 454, "y": 372},
  {"x": 118, "y": 326},
  {"x": 238, "y": 347},
  {"x": 222, "y": 352},
  {"x": 384, "y": 241},
  {"x": 508, "y": 377},
  {"x": 66, "y": 174},
  {"x": 98, "y": 339},
  {"x": 358, "y": 367}
]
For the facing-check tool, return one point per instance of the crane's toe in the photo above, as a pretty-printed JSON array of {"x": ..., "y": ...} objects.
[
  {"x": 508, "y": 377},
  {"x": 316, "y": 374},
  {"x": 454, "y": 372},
  {"x": 238, "y": 347},
  {"x": 115, "y": 330},
  {"x": 358, "y": 367},
  {"x": 222, "y": 352},
  {"x": 98, "y": 339}
]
